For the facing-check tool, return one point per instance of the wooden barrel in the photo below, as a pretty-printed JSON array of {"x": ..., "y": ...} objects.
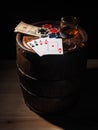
[{"x": 50, "y": 83}]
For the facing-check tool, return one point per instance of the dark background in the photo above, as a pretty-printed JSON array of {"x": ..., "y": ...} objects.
[
  {"x": 31, "y": 11},
  {"x": 86, "y": 114}
]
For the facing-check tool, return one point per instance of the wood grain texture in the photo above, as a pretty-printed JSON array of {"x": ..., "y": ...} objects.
[{"x": 15, "y": 115}]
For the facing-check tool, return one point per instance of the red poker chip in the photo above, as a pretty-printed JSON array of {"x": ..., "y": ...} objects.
[
  {"x": 47, "y": 26},
  {"x": 53, "y": 30}
]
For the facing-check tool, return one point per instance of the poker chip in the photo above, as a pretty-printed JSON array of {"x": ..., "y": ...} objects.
[
  {"x": 47, "y": 26},
  {"x": 44, "y": 32},
  {"x": 53, "y": 30}
]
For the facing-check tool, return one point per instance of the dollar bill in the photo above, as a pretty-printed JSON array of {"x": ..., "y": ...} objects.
[{"x": 29, "y": 29}]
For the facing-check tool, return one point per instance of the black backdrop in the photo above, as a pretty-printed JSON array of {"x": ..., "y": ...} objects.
[{"x": 30, "y": 12}]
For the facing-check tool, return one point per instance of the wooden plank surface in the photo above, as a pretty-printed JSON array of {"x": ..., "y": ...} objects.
[{"x": 14, "y": 114}]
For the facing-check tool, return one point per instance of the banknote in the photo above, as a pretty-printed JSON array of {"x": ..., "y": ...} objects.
[{"x": 29, "y": 29}]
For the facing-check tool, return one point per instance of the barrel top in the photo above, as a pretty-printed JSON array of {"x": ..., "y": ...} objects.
[{"x": 77, "y": 41}]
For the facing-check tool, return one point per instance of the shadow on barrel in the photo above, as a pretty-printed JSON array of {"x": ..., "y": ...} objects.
[{"x": 83, "y": 114}]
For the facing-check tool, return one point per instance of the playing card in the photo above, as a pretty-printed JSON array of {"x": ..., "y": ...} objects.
[
  {"x": 43, "y": 44},
  {"x": 46, "y": 46},
  {"x": 39, "y": 45},
  {"x": 55, "y": 46},
  {"x": 36, "y": 47}
]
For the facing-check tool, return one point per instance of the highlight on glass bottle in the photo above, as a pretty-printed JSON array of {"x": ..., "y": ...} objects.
[{"x": 73, "y": 36}]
